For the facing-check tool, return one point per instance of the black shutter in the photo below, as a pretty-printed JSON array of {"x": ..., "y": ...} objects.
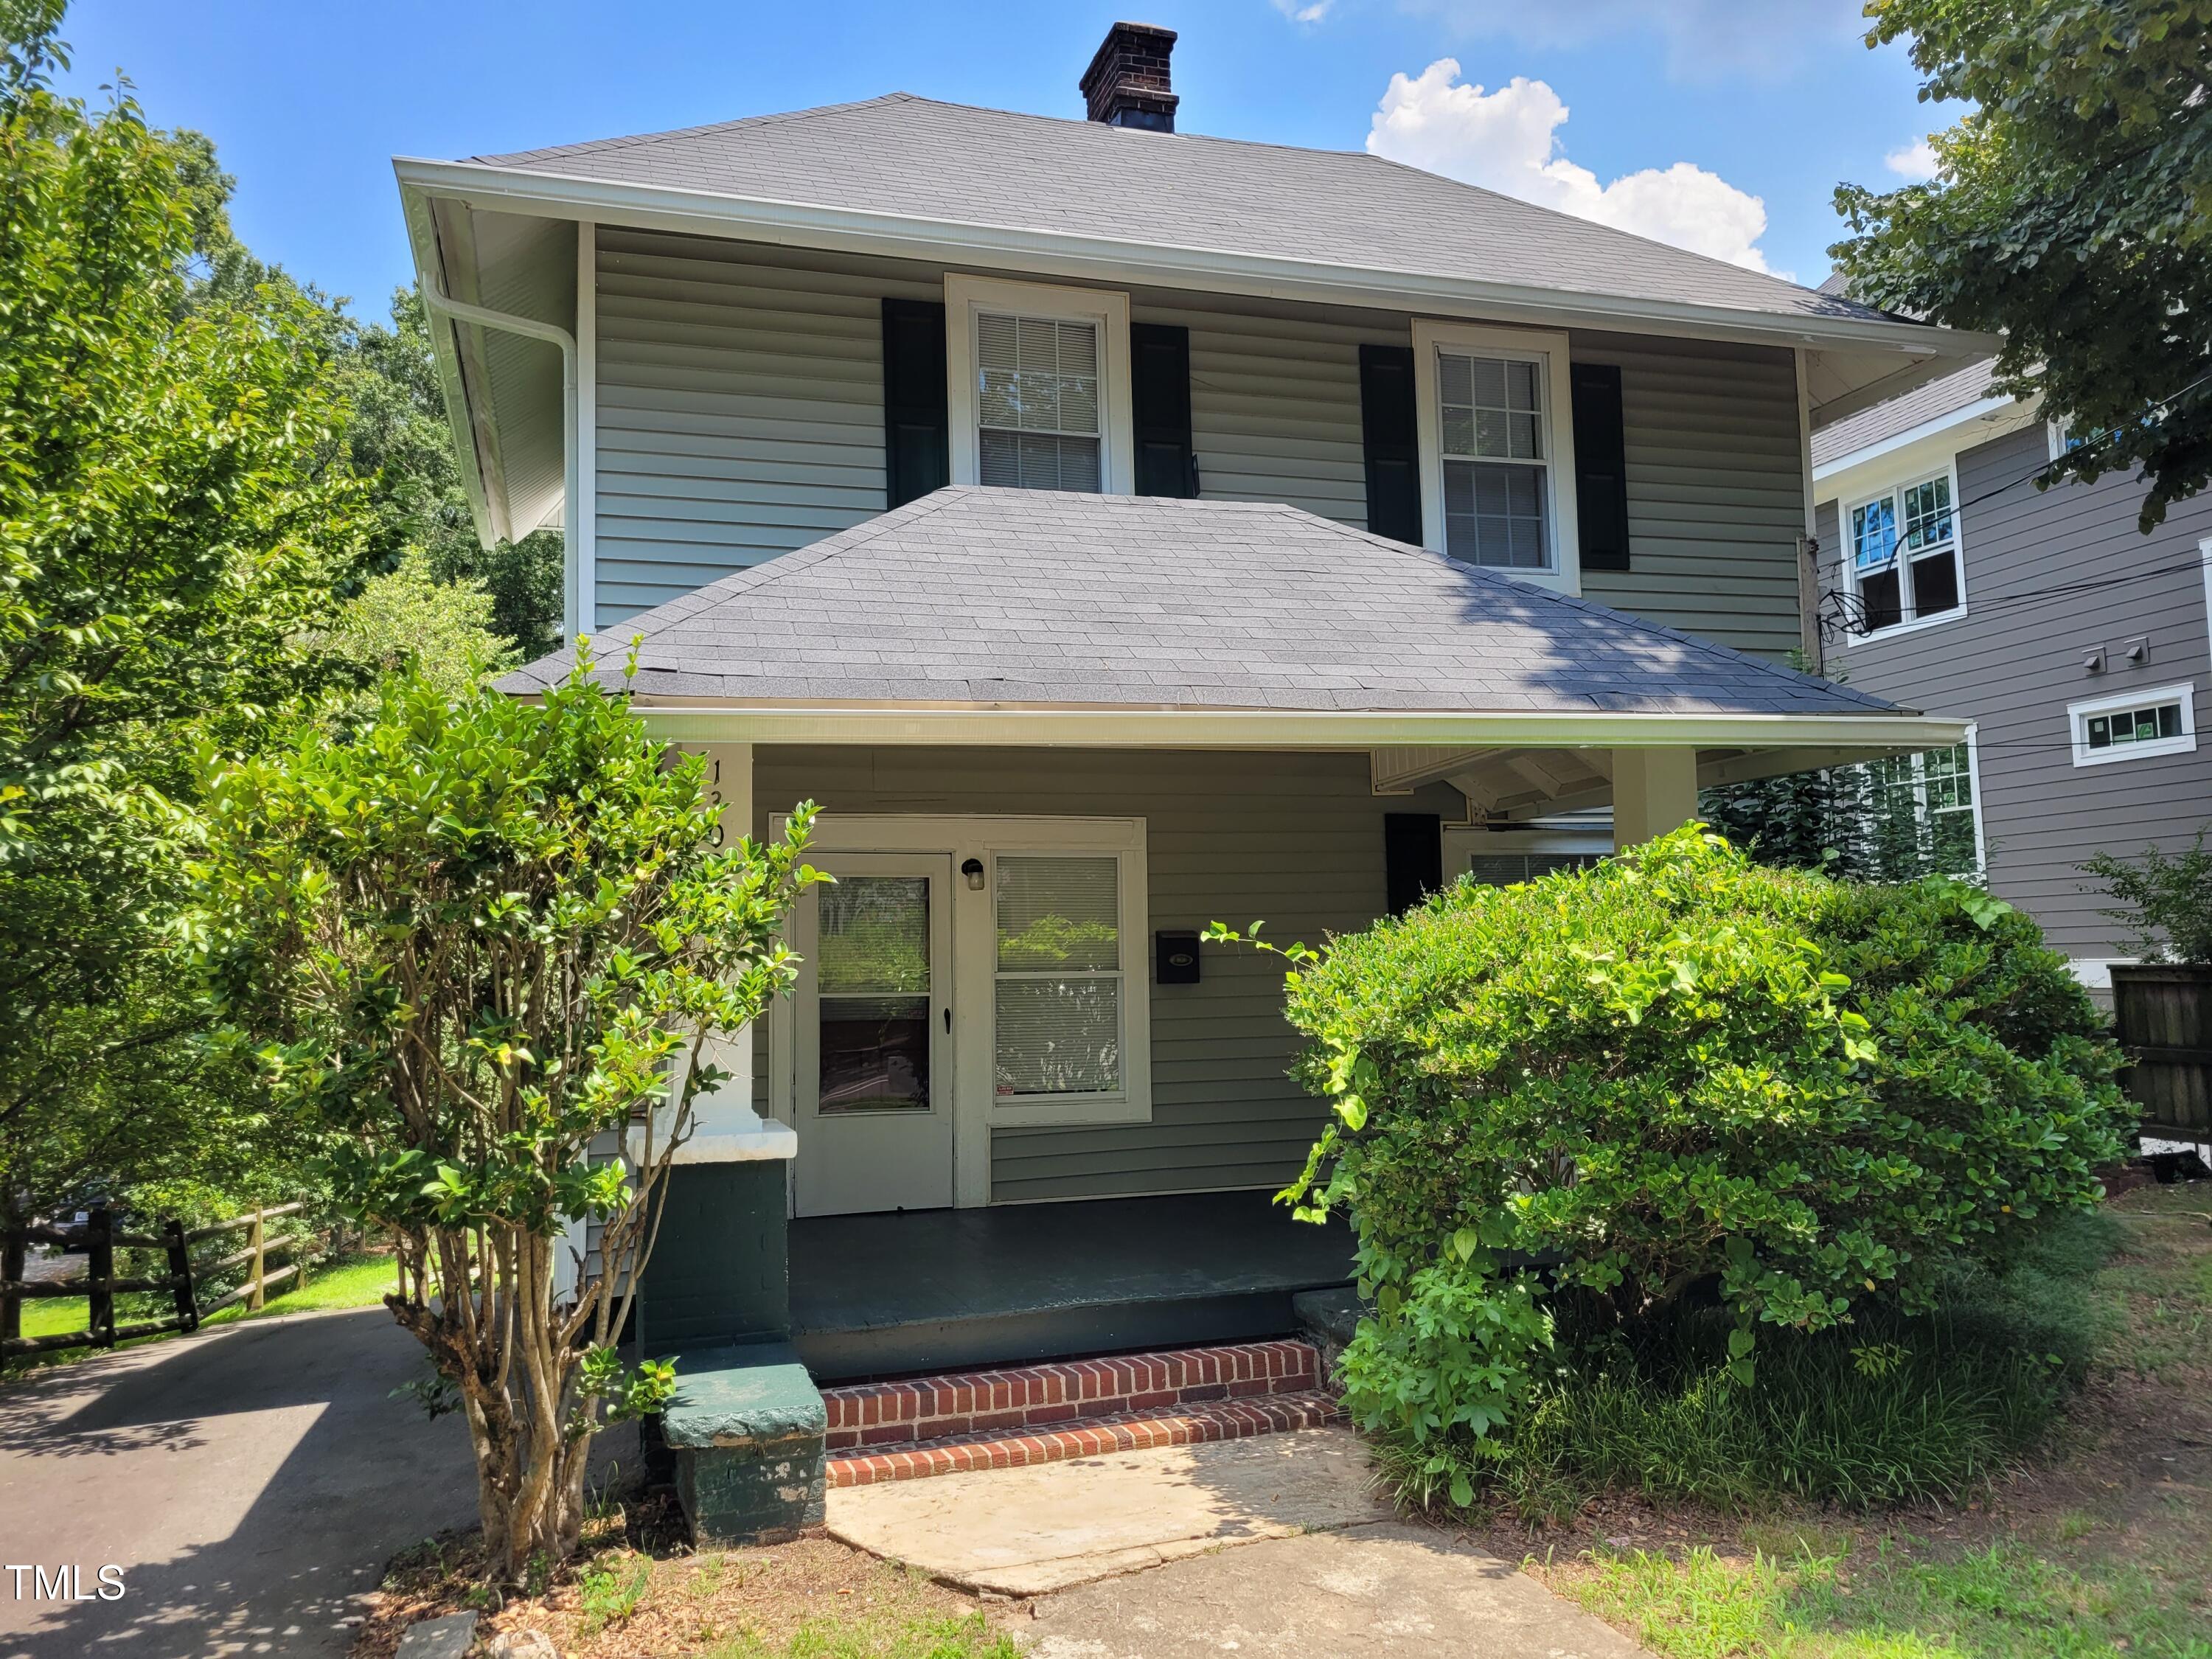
[
  {"x": 1160, "y": 409},
  {"x": 1412, "y": 858},
  {"x": 1386, "y": 429},
  {"x": 1601, "y": 466},
  {"x": 917, "y": 431}
]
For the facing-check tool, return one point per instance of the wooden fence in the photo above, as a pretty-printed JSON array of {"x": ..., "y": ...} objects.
[
  {"x": 2163, "y": 1015},
  {"x": 100, "y": 1285}
]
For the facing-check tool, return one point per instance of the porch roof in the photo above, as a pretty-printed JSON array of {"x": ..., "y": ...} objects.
[{"x": 974, "y": 598}]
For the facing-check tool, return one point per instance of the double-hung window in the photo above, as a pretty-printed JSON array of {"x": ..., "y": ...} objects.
[
  {"x": 1496, "y": 438},
  {"x": 1915, "y": 812},
  {"x": 1037, "y": 413},
  {"x": 1038, "y": 386},
  {"x": 1061, "y": 984},
  {"x": 1903, "y": 549}
]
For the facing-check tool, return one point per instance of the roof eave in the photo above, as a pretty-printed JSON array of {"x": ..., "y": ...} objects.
[
  {"x": 1058, "y": 253},
  {"x": 486, "y": 514},
  {"x": 1846, "y": 736},
  {"x": 1950, "y": 420}
]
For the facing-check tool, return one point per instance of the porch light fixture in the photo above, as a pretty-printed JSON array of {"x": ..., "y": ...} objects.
[{"x": 972, "y": 870}]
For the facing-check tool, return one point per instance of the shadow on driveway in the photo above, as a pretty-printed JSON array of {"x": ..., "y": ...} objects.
[{"x": 251, "y": 1482}]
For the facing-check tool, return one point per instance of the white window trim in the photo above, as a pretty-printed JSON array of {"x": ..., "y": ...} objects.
[
  {"x": 1431, "y": 337},
  {"x": 2078, "y": 716},
  {"x": 964, "y": 296},
  {"x": 1897, "y": 486},
  {"x": 976, "y": 1110}
]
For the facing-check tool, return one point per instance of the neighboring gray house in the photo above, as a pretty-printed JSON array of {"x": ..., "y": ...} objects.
[
  {"x": 1117, "y": 529},
  {"x": 2075, "y": 645}
]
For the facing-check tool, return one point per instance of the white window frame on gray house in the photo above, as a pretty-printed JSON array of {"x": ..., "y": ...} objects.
[
  {"x": 1917, "y": 776},
  {"x": 1451, "y": 467},
  {"x": 1897, "y": 503},
  {"x": 2097, "y": 738},
  {"x": 968, "y": 301}
]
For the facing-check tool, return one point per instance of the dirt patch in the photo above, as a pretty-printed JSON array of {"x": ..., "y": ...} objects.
[{"x": 640, "y": 1594}]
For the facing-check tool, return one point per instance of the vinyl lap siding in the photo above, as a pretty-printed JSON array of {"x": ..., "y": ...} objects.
[
  {"x": 1275, "y": 403},
  {"x": 740, "y": 416},
  {"x": 1715, "y": 488},
  {"x": 740, "y": 407},
  {"x": 2013, "y": 665},
  {"x": 1295, "y": 840}
]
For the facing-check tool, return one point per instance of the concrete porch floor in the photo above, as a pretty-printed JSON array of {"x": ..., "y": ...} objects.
[{"x": 930, "y": 1290}]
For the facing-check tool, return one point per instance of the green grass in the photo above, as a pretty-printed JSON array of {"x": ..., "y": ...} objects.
[
  {"x": 2003, "y": 1602},
  {"x": 356, "y": 1281},
  {"x": 926, "y": 1637}
]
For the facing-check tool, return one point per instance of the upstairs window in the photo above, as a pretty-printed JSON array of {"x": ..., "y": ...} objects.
[
  {"x": 1037, "y": 414},
  {"x": 1903, "y": 547},
  {"x": 1038, "y": 386},
  {"x": 1497, "y": 483},
  {"x": 1495, "y": 413}
]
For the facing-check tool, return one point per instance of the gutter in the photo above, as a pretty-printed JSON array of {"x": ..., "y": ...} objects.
[
  {"x": 1056, "y": 252},
  {"x": 434, "y": 300}
]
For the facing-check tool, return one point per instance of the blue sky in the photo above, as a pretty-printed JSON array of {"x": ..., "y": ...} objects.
[{"x": 1666, "y": 116}]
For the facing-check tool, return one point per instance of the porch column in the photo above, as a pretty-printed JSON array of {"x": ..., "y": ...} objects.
[{"x": 1654, "y": 790}]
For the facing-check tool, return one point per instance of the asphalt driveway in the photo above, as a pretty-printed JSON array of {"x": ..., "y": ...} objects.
[{"x": 251, "y": 1483}]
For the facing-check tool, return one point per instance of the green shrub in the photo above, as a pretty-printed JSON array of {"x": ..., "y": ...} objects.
[{"x": 1679, "y": 1092}]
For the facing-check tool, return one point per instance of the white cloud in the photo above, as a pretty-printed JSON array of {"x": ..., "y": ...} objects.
[
  {"x": 1704, "y": 40},
  {"x": 1914, "y": 162},
  {"x": 1304, "y": 11},
  {"x": 1508, "y": 141}
]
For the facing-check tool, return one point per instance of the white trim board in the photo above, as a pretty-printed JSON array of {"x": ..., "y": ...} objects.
[{"x": 1017, "y": 727}]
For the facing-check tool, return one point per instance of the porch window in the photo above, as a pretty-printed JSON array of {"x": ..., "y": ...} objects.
[
  {"x": 1060, "y": 981},
  {"x": 1916, "y": 813},
  {"x": 1038, "y": 402},
  {"x": 1904, "y": 547}
]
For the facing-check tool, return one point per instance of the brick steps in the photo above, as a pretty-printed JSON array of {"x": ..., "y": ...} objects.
[
  {"x": 1044, "y": 1413},
  {"x": 1082, "y": 1436}
]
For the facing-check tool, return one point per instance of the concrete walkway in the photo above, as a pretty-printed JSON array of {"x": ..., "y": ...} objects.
[
  {"x": 1277, "y": 1546},
  {"x": 1388, "y": 1589},
  {"x": 251, "y": 1482}
]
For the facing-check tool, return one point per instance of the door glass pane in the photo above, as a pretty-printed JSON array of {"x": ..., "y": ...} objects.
[{"x": 872, "y": 974}]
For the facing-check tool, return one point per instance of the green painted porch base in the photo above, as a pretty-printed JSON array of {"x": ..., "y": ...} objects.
[
  {"x": 720, "y": 1270},
  {"x": 746, "y": 1429}
]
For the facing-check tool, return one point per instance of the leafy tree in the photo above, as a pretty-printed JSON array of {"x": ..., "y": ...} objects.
[
  {"x": 407, "y": 619},
  {"x": 172, "y": 528},
  {"x": 2165, "y": 902},
  {"x": 2073, "y": 212},
  {"x": 476, "y": 942}
]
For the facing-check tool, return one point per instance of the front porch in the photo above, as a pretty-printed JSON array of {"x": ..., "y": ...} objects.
[{"x": 939, "y": 1289}]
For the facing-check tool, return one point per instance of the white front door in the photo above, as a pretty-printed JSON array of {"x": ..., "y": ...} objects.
[{"x": 874, "y": 1094}]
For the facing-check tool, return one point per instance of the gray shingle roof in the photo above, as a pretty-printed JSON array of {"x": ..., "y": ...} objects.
[
  {"x": 973, "y": 595},
  {"x": 915, "y": 158},
  {"x": 1940, "y": 396}
]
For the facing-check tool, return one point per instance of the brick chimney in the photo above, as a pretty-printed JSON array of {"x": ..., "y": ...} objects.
[{"x": 1126, "y": 84}]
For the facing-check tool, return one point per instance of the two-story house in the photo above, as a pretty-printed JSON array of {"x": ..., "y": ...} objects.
[
  {"x": 2077, "y": 647},
  {"x": 1115, "y": 530}
]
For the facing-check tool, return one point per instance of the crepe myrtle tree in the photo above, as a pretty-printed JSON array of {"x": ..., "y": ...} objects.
[{"x": 488, "y": 942}]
